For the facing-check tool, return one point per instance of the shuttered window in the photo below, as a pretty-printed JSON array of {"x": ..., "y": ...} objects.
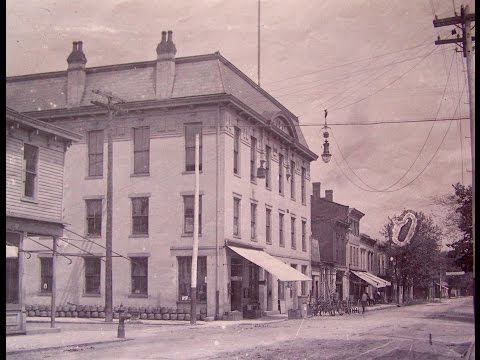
[
  {"x": 94, "y": 217},
  {"x": 188, "y": 211},
  {"x": 30, "y": 159},
  {"x": 141, "y": 150},
  {"x": 140, "y": 215},
  {"x": 190, "y": 131},
  {"x": 95, "y": 153}
]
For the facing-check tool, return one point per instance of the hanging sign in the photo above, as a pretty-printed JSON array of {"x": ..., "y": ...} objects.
[{"x": 399, "y": 223}]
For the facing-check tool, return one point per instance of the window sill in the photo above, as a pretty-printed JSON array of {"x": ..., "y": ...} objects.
[
  {"x": 136, "y": 236},
  {"x": 93, "y": 177},
  {"x": 237, "y": 175},
  {"x": 268, "y": 188},
  {"x": 192, "y": 172},
  {"x": 293, "y": 199},
  {"x": 49, "y": 294},
  {"x": 268, "y": 243},
  {"x": 253, "y": 239},
  {"x": 190, "y": 235},
  {"x": 140, "y": 175},
  {"x": 237, "y": 236},
  {"x": 92, "y": 295},
  {"x": 254, "y": 182},
  {"x": 142, "y": 296},
  {"x": 93, "y": 236},
  {"x": 188, "y": 301},
  {"x": 304, "y": 203},
  {"x": 29, "y": 200},
  {"x": 282, "y": 245},
  {"x": 281, "y": 194}
]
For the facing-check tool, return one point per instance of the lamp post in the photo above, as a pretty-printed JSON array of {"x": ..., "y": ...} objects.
[{"x": 394, "y": 262}]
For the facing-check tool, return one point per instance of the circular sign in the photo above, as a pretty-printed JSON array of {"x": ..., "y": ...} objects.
[{"x": 399, "y": 223}]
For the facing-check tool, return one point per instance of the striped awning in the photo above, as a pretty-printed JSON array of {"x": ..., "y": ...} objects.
[{"x": 371, "y": 279}]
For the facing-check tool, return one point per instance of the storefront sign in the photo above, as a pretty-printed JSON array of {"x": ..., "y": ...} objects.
[{"x": 399, "y": 223}]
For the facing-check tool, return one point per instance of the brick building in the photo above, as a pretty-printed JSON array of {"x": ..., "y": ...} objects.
[
  {"x": 348, "y": 258},
  {"x": 254, "y": 231},
  {"x": 35, "y": 154}
]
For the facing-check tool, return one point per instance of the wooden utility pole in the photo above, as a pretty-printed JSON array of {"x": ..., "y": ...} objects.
[
  {"x": 112, "y": 109},
  {"x": 464, "y": 23},
  {"x": 193, "y": 290},
  {"x": 258, "y": 43},
  {"x": 54, "y": 284}
]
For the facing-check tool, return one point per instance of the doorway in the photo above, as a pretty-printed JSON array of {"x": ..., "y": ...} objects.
[
  {"x": 236, "y": 278},
  {"x": 269, "y": 291}
]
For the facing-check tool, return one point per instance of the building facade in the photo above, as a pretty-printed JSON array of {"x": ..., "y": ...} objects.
[
  {"x": 254, "y": 232},
  {"x": 35, "y": 154}
]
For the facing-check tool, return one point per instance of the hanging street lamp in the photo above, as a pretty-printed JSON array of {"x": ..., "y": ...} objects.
[{"x": 326, "y": 146}]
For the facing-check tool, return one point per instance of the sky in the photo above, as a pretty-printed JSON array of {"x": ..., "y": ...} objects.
[{"x": 362, "y": 60}]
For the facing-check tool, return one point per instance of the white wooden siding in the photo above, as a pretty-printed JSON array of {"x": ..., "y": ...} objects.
[{"x": 48, "y": 201}]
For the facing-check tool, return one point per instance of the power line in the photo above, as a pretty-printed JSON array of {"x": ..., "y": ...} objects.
[
  {"x": 417, "y": 176},
  {"x": 418, "y": 154},
  {"x": 390, "y": 83}
]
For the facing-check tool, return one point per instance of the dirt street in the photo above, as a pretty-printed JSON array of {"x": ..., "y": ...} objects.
[{"x": 430, "y": 331}]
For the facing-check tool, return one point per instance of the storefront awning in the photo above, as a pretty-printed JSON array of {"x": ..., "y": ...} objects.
[
  {"x": 271, "y": 264},
  {"x": 372, "y": 279}
]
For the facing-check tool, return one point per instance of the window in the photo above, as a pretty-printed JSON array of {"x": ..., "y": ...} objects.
[
  {"x": 139, "y": 275},
  {"x": 188, "y": 211},
  {"x": 30, "y": 161},
  {"x": 304, "y": 235},
  {"x": 280, "y": 230},
  {"x": 141, "y": 150},
  {"x": 94, "y": 217},
  {"x": 253, "y": 159},
  {"x": 292, "y": 231},
  {"x": 236, "y": 216},
  {"x": 190, "y": 131},
  {"x": 185, "y": 277},
  {"x": 351, "y": 255},
  {"x": 268, "y": 155},
  {"x": 140, "y": 215},
  {"x": 268, "y": 226},
  {"x": 304, "y": 193},
  {"x": 46, "y": 274},
  {"x": 292, "y": 179},
  {"x": 304, "y": 283},
  {"x": 92, "y": 275},
  {"x": 280, "y": 173},
  {"x": 236, "y": 151},
  {"x": 95, "y": 153},
  {"x": 253, "y": 221}
]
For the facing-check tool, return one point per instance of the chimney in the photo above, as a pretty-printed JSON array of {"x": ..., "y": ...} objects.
[
  {"x": 166, "y": 51},
  {"x": 316, "y": 189},
  {"x": 76, "y": 75},
  {"x": 329, "y": 195}
]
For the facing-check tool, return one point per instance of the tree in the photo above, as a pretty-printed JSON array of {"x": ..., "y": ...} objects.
[
  {"x": 419, "y": 262},
  {"x": 462, "y": 248}
]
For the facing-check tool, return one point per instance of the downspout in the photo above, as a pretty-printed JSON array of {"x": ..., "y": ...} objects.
[{"x": 217, "y": 291}]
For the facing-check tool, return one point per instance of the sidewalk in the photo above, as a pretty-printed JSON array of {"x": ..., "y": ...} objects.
[{"x": 40, "y": 337}]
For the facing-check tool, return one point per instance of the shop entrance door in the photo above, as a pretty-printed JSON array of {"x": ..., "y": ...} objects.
[
  {"x": 236, "y": 284},
  {"x": 269, "y": 291}
]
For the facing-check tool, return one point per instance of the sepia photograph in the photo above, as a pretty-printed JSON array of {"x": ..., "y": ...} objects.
[{"x": 240, "y": 179}]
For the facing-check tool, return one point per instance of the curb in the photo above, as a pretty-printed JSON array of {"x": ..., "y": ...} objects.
[{"x": 21, "y": 351}]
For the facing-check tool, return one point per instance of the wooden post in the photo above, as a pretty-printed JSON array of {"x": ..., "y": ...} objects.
[
  {"x": 193, "y": 292},
  {"x": 54, "y": 283}
]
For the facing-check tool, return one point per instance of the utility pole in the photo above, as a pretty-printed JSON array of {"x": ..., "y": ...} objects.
[
  {"x": 258, "y": 43},
  {"x": 193, "y": 290},
  {"x": 466, "y": 43},
  {"x": 53, "y": 306},
  {"x": 112, "y": 109}
]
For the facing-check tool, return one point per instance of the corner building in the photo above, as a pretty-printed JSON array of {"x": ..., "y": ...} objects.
[{"x": 254, "y": 231}]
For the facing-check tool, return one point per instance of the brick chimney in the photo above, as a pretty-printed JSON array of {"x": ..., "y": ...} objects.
[
  {"x": 76, "y": 75},
  {"x": 166, "y": 51},
  {"x": 316, "y": 189},
  {"x": 329, "y": 195}
]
